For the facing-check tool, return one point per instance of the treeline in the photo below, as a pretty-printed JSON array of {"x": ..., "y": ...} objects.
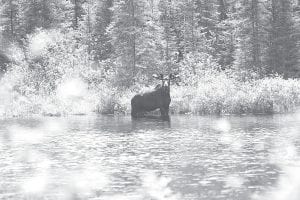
[{"x": 254, "y": 38}]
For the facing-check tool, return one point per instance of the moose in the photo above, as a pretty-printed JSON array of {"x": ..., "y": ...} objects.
[{"x": 159, "y": 98}]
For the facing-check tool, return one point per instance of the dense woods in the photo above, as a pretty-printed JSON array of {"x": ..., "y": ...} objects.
[{"x": 121, "y": 43}]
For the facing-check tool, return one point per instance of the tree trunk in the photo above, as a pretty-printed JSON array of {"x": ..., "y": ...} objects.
[
  {"x": 222, "y": 10},
  {"x": 11, "y": 19},
  {"x": 89, "y": 28},
  {"x": 133, "y": 40},
  {"x": 255, "y": 35},
  {"x": 76, "y": 14}
]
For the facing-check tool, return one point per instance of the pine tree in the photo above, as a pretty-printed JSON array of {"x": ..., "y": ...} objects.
[
  {"x": 207, "y": 15},
  {"x": 151, "y": 48},
  {"x": 37, "y": 14},
  {"x": 283, "y": 52},
  {"x": 134, "y": 43},
  {"x": 249, "y": 50},
  {"x": 10, "y": 20},
  {"x": 101, "y": 40},
  {"x": 172, "y": 22},
  {"x": 78, "y": 12},
  {"x": 63, "y": 13},
  {"x": 226, "y": 31},
  {"x": 215, "y": 27},
  {"x": 190, "y": 39},
  {"x": 222, "y": 10},
  {"x": 125, "y": 29},
  {"x": 297, "y": 26}
]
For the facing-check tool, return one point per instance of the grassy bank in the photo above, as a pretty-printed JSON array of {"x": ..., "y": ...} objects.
[
  {"x": 268, "y": 95},
  {"x": 52, "y": 75},
  {"x": 226, "y": 96}
]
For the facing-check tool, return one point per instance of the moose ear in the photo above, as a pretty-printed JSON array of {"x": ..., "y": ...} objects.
[
  {"x": 155, "y": 76},
  {"x": 176, "y": 76}
]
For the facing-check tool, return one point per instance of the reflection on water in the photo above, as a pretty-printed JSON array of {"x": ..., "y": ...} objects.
[{"x": 188, "y": 157}]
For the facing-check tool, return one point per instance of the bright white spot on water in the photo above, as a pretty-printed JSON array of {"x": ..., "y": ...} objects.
[
  {"x": 2, "y": 109},
  {"x": 1, "y": 143},
  {"x": 234, "y": 181},
  {"x": 30, "y": 155},
  {"x": 226, "y": 138},
  {"x": 222, "y": 125},
  {"x": 154, "y": 187},
  {"x": 204, "y": 182},
  {"x": 36, "y": 184},
  {"x": 259, "y": 146},
  {"x": 54, "y": 126},
  {"x": 235, "y": 143},
  {"x": 157, "y": 187},
  {"x": 88, "y": 181},
  {"x": 288, "y": 187},
  {"x": 284, "y": 154},
  {"x": 297, "y": 115},
  {"x": 23, "y": 135},
  {"x": 123, "y": 197}
]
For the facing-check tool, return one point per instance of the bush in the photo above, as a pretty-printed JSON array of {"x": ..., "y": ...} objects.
[
  {"x": 54, "y": 75},
  {"x": 225, "y": 95}
]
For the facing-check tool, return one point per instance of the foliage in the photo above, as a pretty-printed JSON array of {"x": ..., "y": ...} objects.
[
  {"x": 220, "y": 94},
  {"x": 231, "y": 56},
  {"x": 54, "y": 75}
]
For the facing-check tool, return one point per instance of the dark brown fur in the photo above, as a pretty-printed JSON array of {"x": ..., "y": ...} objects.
[
  {"x": 157, "y": 99},
  {"x": 160, "y": 98}
]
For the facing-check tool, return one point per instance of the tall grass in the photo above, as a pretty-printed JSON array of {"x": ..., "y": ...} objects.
[
  {"x": 228, "y": 96},
  {"x": 219, "y": 96},
  {"x": 55, "y": 76}
]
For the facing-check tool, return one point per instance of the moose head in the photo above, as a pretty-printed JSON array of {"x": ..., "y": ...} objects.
[
  {"x": 165, "y": 81},
  {"x": 159, "y": 98}
]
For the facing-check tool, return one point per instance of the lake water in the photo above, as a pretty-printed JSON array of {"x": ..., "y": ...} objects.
[{"x": 188, "y": 158}]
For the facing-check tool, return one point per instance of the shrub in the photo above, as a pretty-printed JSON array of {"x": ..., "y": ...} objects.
[
  {"x": 224, "y": 95},
  {"x": 54, "y": 75}
]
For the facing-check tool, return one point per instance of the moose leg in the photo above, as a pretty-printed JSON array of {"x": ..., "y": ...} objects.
[
  {"x": 167, "y": 111},
  {"x": 134, "y": 113},
  {"x": 163, "y": 112}
]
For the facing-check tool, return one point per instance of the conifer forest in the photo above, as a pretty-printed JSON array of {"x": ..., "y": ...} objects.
[{"x": 231, "y": 56}]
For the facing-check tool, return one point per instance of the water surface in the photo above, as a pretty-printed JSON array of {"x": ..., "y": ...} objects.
[{"x": 190, "y": 157}]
